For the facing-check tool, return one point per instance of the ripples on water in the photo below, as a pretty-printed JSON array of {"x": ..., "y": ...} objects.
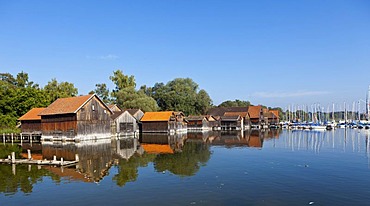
[{"x": 251, "y": 168}]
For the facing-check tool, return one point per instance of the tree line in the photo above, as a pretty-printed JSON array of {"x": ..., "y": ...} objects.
[{"x": 19, "y": 95}]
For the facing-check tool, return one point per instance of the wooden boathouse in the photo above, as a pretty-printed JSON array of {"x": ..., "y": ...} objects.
[
  {"x": 163, "y": 122},
  {"x": 198, "y": 123},
  {"x": 229, "y": 115},
  {"x": 76, "y": 118},
  {"x": 31, "y": 122},
  {"x": 126, "y": 122},
  {"x": 231, "y": 122},
  {"x": 256, "y": 116}
]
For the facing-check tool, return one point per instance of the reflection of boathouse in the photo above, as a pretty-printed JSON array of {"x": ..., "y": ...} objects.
[
  {"x": 127, "y": 147},
  {"x": 161, "y": 143},
  {"x": 76, "y": 118},
  {"x": 96, "y": 157}
]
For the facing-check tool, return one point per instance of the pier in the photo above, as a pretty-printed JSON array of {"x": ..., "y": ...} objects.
[{"x": 11, "y": 160}]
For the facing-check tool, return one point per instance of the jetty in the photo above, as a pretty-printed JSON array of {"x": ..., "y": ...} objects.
[{"x": 11, "y": 160}]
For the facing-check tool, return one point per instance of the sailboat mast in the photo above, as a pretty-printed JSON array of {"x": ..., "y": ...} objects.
[
  {"x": 333, "y": 113},
  {"x": 368, "y": 104}
]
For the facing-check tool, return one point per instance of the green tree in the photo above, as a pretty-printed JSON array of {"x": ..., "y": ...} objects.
[
  {"x": 18, "y": 96},
  {"x": 235, "y": 103},
  {"x": 181, "y": 94},
  {"x": 57, "y": 90},
  {"x": 126, "y": 96},
  {"x": 102, "y": 91},
  {"x": 122, "y": 81}
]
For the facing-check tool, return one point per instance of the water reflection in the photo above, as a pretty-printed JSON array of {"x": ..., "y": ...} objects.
[{"x": 181, "y": 155}]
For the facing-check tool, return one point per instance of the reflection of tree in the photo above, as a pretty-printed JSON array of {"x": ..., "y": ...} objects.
[
  {"x": 185, "y": 163},
  {"x": 128, "y": 169},
  {"x": 7, "y": 149},
  {"x": 24, "y": 178}
]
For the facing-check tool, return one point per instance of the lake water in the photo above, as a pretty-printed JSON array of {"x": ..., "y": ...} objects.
[{"x": 251, "y": 168}]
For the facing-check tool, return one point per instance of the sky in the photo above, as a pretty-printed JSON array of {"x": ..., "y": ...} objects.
[{"x": 274, "y": 53}]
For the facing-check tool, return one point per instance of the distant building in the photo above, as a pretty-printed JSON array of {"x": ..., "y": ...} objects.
[
  {"x": 227, "y": 112},
  {"x": 163, "y": 122},
  {"x": 76, "y": 118},
  {"x": 256, "y": 116},
  {"x": 231, "y": 122},
  {"x": 31, "y": 121},
  {"x": 198, "y": 123},
  {"x": 114, "y": 108}
]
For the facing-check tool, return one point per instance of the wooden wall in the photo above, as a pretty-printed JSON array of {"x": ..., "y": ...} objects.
[
  {"x": 126, "y": 119},
  {"x": 59, "y": 125},
  {"x": 31, "y": 126},
  {"x": 93, "y": 118},
  {"x": 156, "y": 126}
]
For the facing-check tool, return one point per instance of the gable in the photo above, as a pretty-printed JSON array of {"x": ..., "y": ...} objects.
[{"x": 70, "y": 105}]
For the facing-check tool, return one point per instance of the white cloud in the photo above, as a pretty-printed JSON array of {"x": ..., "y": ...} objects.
[
  {"x": 109, "y": 57},
  {"x": 289, "y": 94},
  {"x": 104, "y": 57}
]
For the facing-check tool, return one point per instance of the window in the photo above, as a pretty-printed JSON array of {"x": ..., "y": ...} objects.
[{"x": 93, "y": 107}]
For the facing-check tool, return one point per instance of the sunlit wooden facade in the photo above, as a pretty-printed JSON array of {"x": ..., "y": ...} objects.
[{"x": 76, "y": 118}]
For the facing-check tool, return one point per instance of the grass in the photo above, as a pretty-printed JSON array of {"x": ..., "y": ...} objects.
[{"x": 8, "y": 130}]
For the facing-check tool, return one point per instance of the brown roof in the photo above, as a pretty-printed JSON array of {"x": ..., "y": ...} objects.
[
  {"x": 157, "y": 116},
  {"x": 230, "y": 118},
  {"x": 33, "y": 114},
  {"x": 66, "y": 105},
  {"x": 220, "y": 111},
  {"x": 242, "y": 114},
  {"x": 196, "y": 118},
  {"x": 116, "y": 115},
  {"x": 254, "y": 111},
  {"x": 132, "y": 111}
]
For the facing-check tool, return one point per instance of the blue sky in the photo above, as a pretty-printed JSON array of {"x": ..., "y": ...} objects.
[{"x": 273, "y": 53}]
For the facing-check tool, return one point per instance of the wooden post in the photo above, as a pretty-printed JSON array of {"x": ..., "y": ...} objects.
[
  {"x": 77, "y": 158},
  {"x": 21, "y": 138},
  {"x": 4, "y": 138},
  {"x": 13, "y": 157},
  {"x": 13, "y": 169},
  {"x": 29, "y": 154},
  {"x": 12, "y": 138},
  {"x": 61, "y": 161},
  {"x": 29, "y": 168},
  {"x": 54, "y": 158}
]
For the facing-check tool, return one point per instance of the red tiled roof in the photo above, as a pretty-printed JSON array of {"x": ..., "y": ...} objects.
[
  {"x": 254, "y": 111},
  {"x": 66, "y": 105},
  {"x": 157, "y": 116},
  {"x": 33, "y": 114},
  {"x": 275, "y": 112}
]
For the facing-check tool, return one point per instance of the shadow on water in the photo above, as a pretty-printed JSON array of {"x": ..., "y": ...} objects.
[{"x": 181, "y": 154}]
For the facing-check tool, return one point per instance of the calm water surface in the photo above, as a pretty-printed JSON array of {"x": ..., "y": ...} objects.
[{"x": 250, "y": 168}]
